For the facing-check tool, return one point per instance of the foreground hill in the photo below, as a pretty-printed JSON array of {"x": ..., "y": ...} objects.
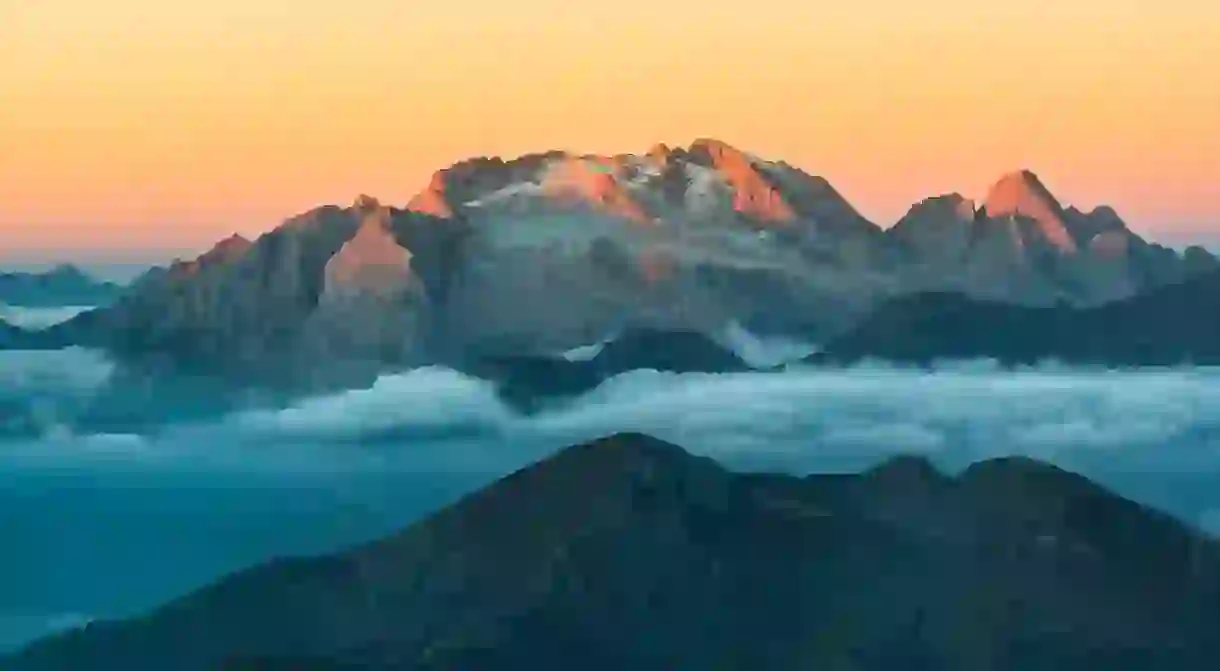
[
  {"x": 546, "y": 252},
  {"x": 1175, "y": 324},
  {"x": 628, "y": 552}
]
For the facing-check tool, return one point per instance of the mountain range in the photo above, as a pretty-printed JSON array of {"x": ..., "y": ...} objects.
[
  {"x": 536, "y": 255},
  {"x": 630, "y": 553},
  {"x": 64, "y": 285}
]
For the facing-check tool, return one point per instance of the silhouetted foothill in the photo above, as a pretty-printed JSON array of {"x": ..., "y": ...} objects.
[{"x": 628, "y": 552}]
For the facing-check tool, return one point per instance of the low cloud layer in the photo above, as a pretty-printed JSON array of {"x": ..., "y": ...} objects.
[
  {"x": 807, "y": 416},
  {"x": 802, "y": 419}
]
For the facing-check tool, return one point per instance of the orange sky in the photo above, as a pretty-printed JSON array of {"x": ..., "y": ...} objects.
[{"x": 165, "y": 125}]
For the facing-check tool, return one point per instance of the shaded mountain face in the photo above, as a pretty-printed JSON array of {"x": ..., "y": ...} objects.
[
  {"x": 1174, "y": 324},
  {"x": 61, "y": 286},
  {"x": 628, "y": 552},
  {"x": 527, "y": 383}
]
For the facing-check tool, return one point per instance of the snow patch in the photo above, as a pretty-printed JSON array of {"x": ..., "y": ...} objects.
[
  {"x": 703, "y": 193},
  {"x": 585, "y": 352},
  {"x": 510, "y": 192}
]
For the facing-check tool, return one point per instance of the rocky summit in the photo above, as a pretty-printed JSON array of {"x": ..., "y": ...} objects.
[{"x": 628, "y": 552}]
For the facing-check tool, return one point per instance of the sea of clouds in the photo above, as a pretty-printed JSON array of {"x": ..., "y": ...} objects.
[{"x": 105, "y": 523}]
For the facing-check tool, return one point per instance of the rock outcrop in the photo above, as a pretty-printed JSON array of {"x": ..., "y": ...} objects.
[{"x": 372, "y": 311}]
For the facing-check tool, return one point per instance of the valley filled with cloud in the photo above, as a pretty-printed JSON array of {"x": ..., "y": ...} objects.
[{"x": 106, "y": 523}]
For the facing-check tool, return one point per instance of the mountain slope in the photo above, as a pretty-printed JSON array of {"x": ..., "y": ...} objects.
[
  {"x": 1174, "y": 324},
  {"x": 1022, "y": 194},
  {"x": 628, "y": 552},
  {"x": 257, "y": 309}
]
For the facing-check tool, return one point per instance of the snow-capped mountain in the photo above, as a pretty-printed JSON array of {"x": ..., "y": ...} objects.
[{"x": 552, "y": 251}]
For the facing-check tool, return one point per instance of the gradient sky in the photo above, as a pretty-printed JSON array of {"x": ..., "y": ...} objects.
[{"x": 161, "y": 126}]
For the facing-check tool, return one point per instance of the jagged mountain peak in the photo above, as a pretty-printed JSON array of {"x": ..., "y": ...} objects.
[
  {"x": 1022, "y": 194},
  {"x": 714, "y": 146},
  {"x": 223, "y": 252},
  {"x": 230, "y": 248},
  {"x": 710, "y": 176},
  {"x": 432, "y": 199},
  {"x": 754, "y": 194},
  {"x": 954, "y": 204},
  {"x": 937, "y": 229}
]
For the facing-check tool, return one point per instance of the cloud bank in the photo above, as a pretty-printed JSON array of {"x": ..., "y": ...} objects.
[
  {"x": 802, "y": 419},
  {"x": 806, "y": 415}
]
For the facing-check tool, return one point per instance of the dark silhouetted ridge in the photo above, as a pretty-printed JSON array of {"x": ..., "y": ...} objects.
[
  {"x": 1175, "y": 324},
  {"x": 627, "y": 552},
  {"x": 527, "y": 381}
]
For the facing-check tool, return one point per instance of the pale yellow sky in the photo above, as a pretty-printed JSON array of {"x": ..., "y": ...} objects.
[{"x": 154, "y": 124}]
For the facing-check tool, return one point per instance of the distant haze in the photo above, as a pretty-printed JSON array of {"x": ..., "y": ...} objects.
[
  {"x": 141, "y": 124},
  {"x": 38, "y": 261}
]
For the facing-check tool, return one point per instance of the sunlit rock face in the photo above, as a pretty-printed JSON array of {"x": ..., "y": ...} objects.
[
  {"x": 555, "y": 250},
  {"x": 372, "y": 307},
  {"x": 1022, "y": 194},
  {"x": 1022, "y": 246}
]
